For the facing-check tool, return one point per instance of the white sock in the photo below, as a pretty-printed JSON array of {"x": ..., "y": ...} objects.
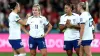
[
  {"x": 22, "y": 54},
  {"x": 16, "y": 55}
]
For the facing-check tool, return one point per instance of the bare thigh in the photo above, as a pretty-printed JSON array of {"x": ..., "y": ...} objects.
[
  {"x": 43, "y": 52},
  {"x": 87, "y": 50},
  {"x": 32, "y": 52},
  {"x": 15, "y": 52},
  {"x": 69, "y": 52},
  {"x": 21, "y": 50},
  {"x": 81, "y": 53}
]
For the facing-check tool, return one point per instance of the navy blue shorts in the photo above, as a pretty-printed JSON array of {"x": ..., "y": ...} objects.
[
  {"x": 37, "y": 42},
  {"x": 16, "y": 44},
  {"x": 69, "y": 45},
  {"x": 86, "y": 42}
]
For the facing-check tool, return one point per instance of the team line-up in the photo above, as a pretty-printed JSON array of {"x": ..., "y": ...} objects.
[{"x": 78, "y": 30}]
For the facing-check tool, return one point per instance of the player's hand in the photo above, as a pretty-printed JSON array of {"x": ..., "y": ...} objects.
[
  {"x": 44, "y": 35},
  {"x": 28, "y": 15},
  {"x": 68, "y": 24},
  {"x": 79, "y": 42},
  {"x": 68, "y": 21}
]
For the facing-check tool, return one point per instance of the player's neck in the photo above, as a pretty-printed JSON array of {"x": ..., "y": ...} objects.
[
  {"x": 15, "y": 11},
  {"x": 82, "y": 11},
  {"x": 69, "y": 14},
  {"x": 36, "y": 15}
]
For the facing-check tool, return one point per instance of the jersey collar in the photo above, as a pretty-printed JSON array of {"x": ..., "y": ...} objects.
[{"x": 71, "y": 15}]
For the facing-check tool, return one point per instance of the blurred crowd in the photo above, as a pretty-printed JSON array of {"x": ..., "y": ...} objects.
[{"x": 51, "y": 9}]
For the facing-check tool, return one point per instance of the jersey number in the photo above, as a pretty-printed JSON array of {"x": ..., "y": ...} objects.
[
  {"x": 90, "y": 22},
  {"x": 36, "y": 26}
]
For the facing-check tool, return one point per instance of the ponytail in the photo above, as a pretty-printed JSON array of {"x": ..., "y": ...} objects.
[
  {"x": 84, "y": 5},
  {"x": 87, "y": 7}
]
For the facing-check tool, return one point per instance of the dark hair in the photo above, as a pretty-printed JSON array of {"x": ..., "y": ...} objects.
[
  {"x": 70, "y": 5},
  {"x": 12, "y": 5}
]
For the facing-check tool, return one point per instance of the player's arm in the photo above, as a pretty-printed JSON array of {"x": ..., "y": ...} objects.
[
  {"x": 78, "y": 25},
  {"x": 93, "y": 30},
  {"x": 69, "y": 25},
  {"x": 93, "y": 23},
  {"x": 82, "y": 26},
  {"x": 93, "y": 26},
  {"x": 23, "y": 28},
  {"x": 62, "y": 27},
  {"x": 75, "y": 27},
  {"x": 22, "y": 22},
  {"x": 49, "y": 28},
  {"x": 62, "y": 24},
  {"x": 81, "y": 33}
]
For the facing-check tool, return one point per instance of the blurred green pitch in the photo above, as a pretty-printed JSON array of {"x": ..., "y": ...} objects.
[{"x": 49, "y": 54}]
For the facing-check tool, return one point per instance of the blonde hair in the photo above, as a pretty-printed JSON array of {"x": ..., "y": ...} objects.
[
  {"x": 37, "y": 6},
  {"x": 84, "y": 5}
]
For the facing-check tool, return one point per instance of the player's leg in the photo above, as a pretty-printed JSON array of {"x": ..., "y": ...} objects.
[
  {"x": 87, "y": 50},
  {"x": 43, "y": 52},
  {"x": 81, "y": 53},
  {"x": 68, "y": 47},
  {"x": 15, "y": 53},
  {"x": 87, "y": 47},
  {"x": 42, "y": 46},
  {"x": 77, "y": 51},
  {"x": 21, "y": 51},
  {"x": 32, "y": 46},
  {"x": 17, "y": 47},
  {"x": 33, "y": 52},
  {"x": 20, "y": 48},
  {"x": 76, "y": 47},
  {"x": 69, "y": 52}
]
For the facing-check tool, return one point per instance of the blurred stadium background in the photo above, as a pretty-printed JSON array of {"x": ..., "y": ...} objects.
[{"x": 52, "y": 9}]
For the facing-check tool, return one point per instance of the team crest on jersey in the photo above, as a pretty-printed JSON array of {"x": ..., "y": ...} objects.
[{"x": 81, "y": 19}]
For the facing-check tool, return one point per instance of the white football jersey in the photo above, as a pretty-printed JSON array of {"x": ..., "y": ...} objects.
[
  {"x": 86, "y": 19},
  {"x": 14, "y": 26},
  {"x": 70, "y": 34},
  {"x": 37, "y": 25}
]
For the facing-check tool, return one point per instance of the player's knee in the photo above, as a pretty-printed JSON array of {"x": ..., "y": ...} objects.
[
  {"x": 69, "y": 53},
  {"x": 22, "y": 54},
  {"x": 77, "y": 52},
  {"x": 33, "y": 54},
  {"x": 44, "y": 54}
]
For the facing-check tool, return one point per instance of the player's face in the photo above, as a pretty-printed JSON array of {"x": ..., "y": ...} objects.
[
  {"x": 67, "y": 9},
  {"x": 78, "y": 8},
  {"x": 18, "y": 7},
  {"x": 35, "y": 11}
]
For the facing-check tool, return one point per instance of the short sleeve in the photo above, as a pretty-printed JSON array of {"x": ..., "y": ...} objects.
[
  {"x": 46, "y": 21},
  {"x": 82, "y": 19},
  {"x": 62, "y": 21},
  {"x": 17, "y": 18}
]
